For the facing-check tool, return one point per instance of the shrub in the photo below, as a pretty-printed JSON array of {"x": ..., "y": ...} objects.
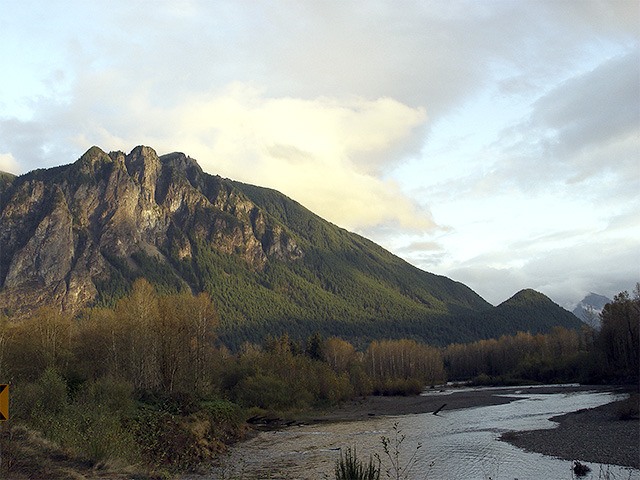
[
  {"x": 227, "y": 419},
  {"x": 328, "y": 387},
  {"x": 348, "y": 467},
  {"x": 97, "y": 434},
  {"x": 399, "y": 386},
  {"x": 266, "y": 391},
  {"x": 115, "y": 395},
  {"x": 163, "y": 440}
]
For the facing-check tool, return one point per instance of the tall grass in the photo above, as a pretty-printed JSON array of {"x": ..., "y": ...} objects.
[{"x": 349, "y": 467}]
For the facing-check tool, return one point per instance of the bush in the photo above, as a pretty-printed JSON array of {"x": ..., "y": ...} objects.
[
  {"x": 328, "y": 387},
  {"x": 97, "y": 434},
  {"x": 163, "y": 440},
  {"x": 90, "y": 428},
  {"x": 48, "y": 394},
  {"x": 180, "y": 443},
  {"x": 268, "y": 392},
  {"x": 227, "y": 419},
  {"x": 348, "y": 467},
  {"x": 115, "y": 395},
  {"x": 360, "y": 381},
  {"x": 399, "y": 386}
]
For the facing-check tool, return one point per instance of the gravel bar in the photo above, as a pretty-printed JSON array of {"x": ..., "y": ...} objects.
[{"x": 591, "y": 435}]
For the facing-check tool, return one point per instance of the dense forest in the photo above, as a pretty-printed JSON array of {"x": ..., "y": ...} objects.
[{"x": 147, "y": 381}]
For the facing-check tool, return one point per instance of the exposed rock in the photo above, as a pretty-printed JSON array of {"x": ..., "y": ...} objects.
[
  {"x": 61, "y": 228},
  {"x": 590, "y": 308}
]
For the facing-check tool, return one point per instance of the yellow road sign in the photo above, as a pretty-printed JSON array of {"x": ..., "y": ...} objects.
[{"x": 4, "y": 402}]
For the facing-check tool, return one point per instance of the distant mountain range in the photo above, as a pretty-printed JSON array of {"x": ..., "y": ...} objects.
[
  {"x": 589, "y": 308},
  {"x": 78, "y": 235}
]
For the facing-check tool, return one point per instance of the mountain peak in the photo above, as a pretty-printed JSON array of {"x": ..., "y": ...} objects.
[
  {"x": 92, "y": 161},
  {"x": 535, "y": 312},
  {"x": 91, "y": 154},
  {"x": 179, "y": 160},
  {"x": 114, "y": 217},
  {"x": 595, "y": 300},
  {"x": 184, "y": 165},
  {"x": 526, "y": 296},
  {"x": 143, "y": 165}
]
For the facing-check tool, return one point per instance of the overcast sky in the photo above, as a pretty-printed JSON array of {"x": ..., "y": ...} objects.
[{"x": 494, "y": 142}]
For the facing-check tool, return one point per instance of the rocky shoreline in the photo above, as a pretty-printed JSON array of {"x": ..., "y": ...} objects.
[{"x": 591, "y": 435}]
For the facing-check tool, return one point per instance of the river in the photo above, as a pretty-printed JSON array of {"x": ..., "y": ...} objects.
[{"x": 456, "y": 444}]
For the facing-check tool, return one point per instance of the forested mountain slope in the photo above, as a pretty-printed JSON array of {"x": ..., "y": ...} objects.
[{"x": 78, "y": 235}]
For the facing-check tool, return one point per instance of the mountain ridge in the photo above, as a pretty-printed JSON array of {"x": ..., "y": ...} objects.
[{"x": 78, "y": 235}]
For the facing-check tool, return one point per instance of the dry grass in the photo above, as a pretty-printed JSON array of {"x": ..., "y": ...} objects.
[{"x": 27, "y": 455}]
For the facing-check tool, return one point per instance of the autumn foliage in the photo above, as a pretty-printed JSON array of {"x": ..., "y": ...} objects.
[{"x": 148, "y": 382}]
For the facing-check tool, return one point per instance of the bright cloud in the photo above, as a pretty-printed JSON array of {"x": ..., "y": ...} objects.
[
  {"x": 8, "y": 163},
  {"x": 325, "y": 153}
]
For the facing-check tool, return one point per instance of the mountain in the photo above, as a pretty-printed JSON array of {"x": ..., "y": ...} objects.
[
  {"x": 589, "y": 308},
  {"x": 532, "y": 311},
  {"x": 78, "y": 235},
  {"x": 6, "y": 179}
]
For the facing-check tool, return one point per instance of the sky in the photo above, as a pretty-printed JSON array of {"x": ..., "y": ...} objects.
[{"x": 494, "y": 142}]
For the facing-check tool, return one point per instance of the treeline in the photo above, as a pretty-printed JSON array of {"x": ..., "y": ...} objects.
[
  {"x": 617, "y": 342},
  {"x": 586, "y": 356},
  {"x": 560, "y": 356},
  {"x": 147, "y": 381}
]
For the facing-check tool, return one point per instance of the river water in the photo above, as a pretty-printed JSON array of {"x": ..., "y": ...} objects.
[{"x": 456, "y": 444}]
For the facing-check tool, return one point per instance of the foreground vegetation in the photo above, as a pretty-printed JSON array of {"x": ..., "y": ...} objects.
[{"x": 144, "y": 386}]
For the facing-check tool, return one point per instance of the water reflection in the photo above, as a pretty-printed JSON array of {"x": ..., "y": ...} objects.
[{"x": 457, "y": 444}]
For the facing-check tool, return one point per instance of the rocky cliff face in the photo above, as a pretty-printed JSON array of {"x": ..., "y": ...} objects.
[{"x": 62, "y": 229}]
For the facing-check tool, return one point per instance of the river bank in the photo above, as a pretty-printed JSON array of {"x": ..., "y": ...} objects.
[
  {"x": 450, "y": 398},
  {"x": 591, "y": 435},
  {"x": 462, "y": 441}
]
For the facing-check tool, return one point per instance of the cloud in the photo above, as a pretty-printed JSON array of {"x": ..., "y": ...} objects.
[
  {"x": 594, "y": 110},
  {"x": 582, "y": 136},
  {"x": 330, "y": 154},
  {"x": 327, "y": 153},
  {"x": 609, "y": 17},
  {"x": 422, "y": 54},
  {"x": 613, "y": 269},
  {"x": 422, "y": 246},
  {"x": 547, "y": 273},
  {"x": 493, "y": 284},
  {"x": 427, "y": 253},
  {"x": 8, "y": 163}
]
